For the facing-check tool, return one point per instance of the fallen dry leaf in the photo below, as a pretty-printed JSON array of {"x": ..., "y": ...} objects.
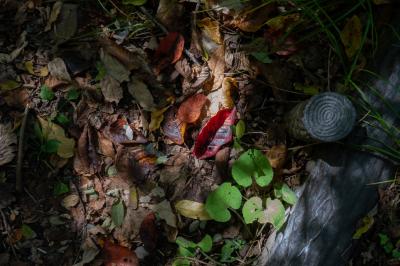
[
  {"x": 216, "y": 133},
  {"x": 87, "y": 161},
  {"x": 52, "y": 131},
  {"x": 111, "y": 89},
  {"x": 277, "y": 156},
  {"x": 164, "y": 211},
  {"x": 157, "y": 117},
  {"x": 134, "y": 163},
  {"x": 120, "y": 132},
  {"x": 190, "y": 110},
  {"x": 169, "y": 50},
  {"x": 70, "y": 201},
  {"x": 174, "y": 129},
  {"x": 142, "y": 94},
  {"x": 211, "y": 29},
  {"x": 58, "y": 69},
  {"x": 106, "y": 147},
  {"x": 253, "y": 19},
  {"x": 192, "y": 209},
  {"x": 116, "y": 255}
]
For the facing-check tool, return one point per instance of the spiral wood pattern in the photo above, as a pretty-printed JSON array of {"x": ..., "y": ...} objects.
[{"x": 325, "y": 117}]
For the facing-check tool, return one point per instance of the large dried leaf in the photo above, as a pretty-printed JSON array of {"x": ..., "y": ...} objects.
[
  {"x": 114, "y": 68},
  {"x": 111, "y": 89},
  {"x": 169, "y": 50},
  {"x": 87, "y": 161},
  {"x": 174, "y": 129},
  {"x": 106, "y": 147},
  {"x": 141, "y": 93},
  {"x": 134, "y": 163},
  {"x": 164, "y": 211},
  {"x": 192, "y": 209},
  {"x": 116, "y": 255},
  {"x": 191, "y": 109},
  {"x": 253, "y": 19},
  {"x": 211, "y": 29},
  {"x": 216, "y": 133},
  {"x": 52, "y": 131},
  {"x": 58, "y": 69},
  {"x": 67, "y": 22}
]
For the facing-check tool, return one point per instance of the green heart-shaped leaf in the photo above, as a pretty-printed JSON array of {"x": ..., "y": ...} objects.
[
  {"x": 252, "y": 209},
  {"x": 286, "y": 194},
  {"x": 224, "y": 197}
]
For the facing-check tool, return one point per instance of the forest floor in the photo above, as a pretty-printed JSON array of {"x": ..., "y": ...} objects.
[{"x": 133, "y": 116}]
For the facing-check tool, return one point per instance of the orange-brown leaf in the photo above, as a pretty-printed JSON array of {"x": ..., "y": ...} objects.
[
  {"x": 190, "y": 110},
  {"x": 116, "y": 255},
  {"x": 169, "y": 50}
]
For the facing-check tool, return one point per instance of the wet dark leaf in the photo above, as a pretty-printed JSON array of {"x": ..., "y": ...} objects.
[
  {"x": 148, "y": 232},
  {"x": 169, "y": 50}
]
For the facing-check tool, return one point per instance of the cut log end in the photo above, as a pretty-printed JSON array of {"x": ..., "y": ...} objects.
[{"x": 326, "y": 117}]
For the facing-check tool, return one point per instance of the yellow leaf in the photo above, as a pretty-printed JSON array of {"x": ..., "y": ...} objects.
[
  {"x": 192, "y": 209},
  {"x": 43, "y": 72},
  {"x": 228, "y": 86},
  {"x": 351, "y": 36},
  {"x": 367, "y": 222},
  {"x": 211, "y": 29},
  {"x": 52, "y": 131},
  {"x": 9, "y": 85},
  {"x": 29, "y": 67},
  {"x": 157, "y": 117}
]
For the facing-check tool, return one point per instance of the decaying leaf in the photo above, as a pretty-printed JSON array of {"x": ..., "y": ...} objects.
[
  {"x": 192, "y": 209},
  {"x": 252, "y": 19},
  {"x": 7, "y": 141},
  {"x": 55, "y": 11},
  {"x": 274, "y": 213},
  {"x": 164, "y": 210},
  {"x": 169, "y": 13},
  {"x": 217, "y": 67},
  {"x": 157, "y": 117},
  {"x": 174, "y": 129},
  {"x": 87, "y": 162},
  {"x": 191, "y": 109},
  {"x": 52, "y": 131},
  {"x": 141, "y": 93},
  {"x": 169, "y": 50},
  {"x": 351, "y": 36},
  {"x": 67, "y": 22},
  {"x": 70, "y": 201},
  {"x": 277, "y": 156},
  {"x": 211, "y": 29},
  {"x": 9, "y": 85},
  {"x": 116, "y": 255},
  {"x": 106, "y": 147},
  {"x": 111, "y": 89},
  {"x": 229, "y": 88},
  {"x": 216, "y": 133},
  {"x": 120, "y": 132},
  {"x": 148, "y": 232},
  {"x": 134, "y": 163},
  {"x": 114, "y": 68},
  {"x": 58, "y": 69}
]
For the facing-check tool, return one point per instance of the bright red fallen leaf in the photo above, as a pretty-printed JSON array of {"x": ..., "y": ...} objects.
[
  {"x": 190, "y": 110},
  {"x": 169, "y": 50},
  {"x": 148, "y": 232},
  {"x": 216, "y": 133},
  {"x": 116, "y": 255}
]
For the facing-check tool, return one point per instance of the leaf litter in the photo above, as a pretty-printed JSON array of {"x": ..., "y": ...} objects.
[{"x": 132, "y": 143}]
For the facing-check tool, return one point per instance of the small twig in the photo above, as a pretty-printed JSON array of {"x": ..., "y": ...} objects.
[{"x": 18, "y": 183}]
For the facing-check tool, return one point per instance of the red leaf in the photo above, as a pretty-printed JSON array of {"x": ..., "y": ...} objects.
[
  {"x": 190, "y": 110},
  {"x": 169, "y": 50},
  {"x": 116, "y": 255},
  {"x": 216, "y": 133},
  {"x": 148, "y": 232}
]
